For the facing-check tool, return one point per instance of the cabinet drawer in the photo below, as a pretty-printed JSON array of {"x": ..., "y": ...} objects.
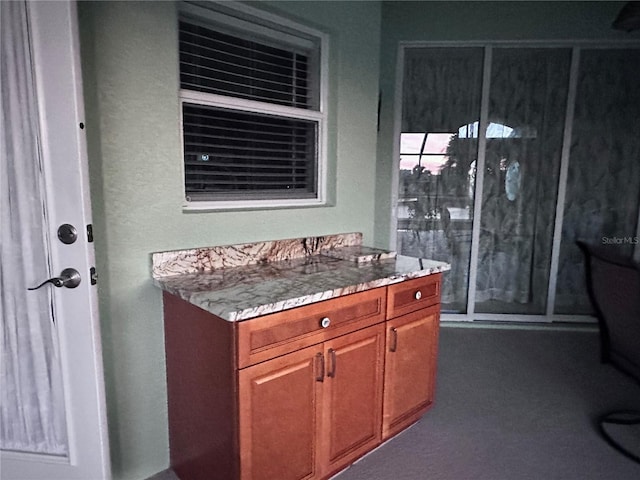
[
  {"x": 273, "y": 335},
  {"x": 412, "y": 295}
]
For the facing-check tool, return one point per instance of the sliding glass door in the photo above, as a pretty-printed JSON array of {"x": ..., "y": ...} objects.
[
  {"x": 438, "y": 152},
  {"x": 603, "y": 186},
  {"x": 527, "y": 105},
  {"x": 498, "y": 176}
]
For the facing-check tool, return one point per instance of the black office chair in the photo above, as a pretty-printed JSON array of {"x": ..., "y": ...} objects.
[{"x": 613, "y": 285}]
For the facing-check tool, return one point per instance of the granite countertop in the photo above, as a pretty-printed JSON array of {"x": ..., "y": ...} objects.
[{"x": 239, "y": 282}]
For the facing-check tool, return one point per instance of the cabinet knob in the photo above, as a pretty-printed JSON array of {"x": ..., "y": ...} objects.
[
  {"x": 325, "y": 322},
  {"x": 418, "y": 295}
]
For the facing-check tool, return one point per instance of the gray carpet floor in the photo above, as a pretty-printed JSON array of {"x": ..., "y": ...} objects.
[{"x": 511, "y": 404}]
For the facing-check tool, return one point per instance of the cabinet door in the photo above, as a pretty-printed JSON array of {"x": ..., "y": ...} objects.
[
  {"x": 352, "y": 406},
  {"x": 410, "y": 368},
  {"x": 279, "y": 414}
]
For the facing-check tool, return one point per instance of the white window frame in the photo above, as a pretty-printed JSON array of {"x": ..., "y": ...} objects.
[{"x": 239, "y": 15}]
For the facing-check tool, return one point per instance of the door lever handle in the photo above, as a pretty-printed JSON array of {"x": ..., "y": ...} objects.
[{"x": 69, "y": 277}]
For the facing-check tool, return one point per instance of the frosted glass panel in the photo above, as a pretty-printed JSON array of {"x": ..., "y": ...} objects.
[
  {"x": 603, "y": 188},
  {"x": 32, "y": 405},
  {"x": 527, "y": 105},
  {"x": 438, "y": 150}
]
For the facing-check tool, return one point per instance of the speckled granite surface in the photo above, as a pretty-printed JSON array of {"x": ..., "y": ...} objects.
[
  {"x": 274, "y": 284},
  {"x": 198, "y": 260},
  {"x": 359, "y": 254}
]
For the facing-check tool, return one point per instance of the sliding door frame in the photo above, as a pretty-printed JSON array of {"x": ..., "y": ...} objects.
[
  {"x": 562, "y": 181},
  {"x": 479, "y": 179},
  {"x": 576, "y": 47}
]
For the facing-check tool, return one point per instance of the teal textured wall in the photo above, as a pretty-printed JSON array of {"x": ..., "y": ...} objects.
[{"x": 130, "y": 70}]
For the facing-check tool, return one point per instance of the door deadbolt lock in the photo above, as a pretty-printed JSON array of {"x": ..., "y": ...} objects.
[{"x": 67, "y": 233}]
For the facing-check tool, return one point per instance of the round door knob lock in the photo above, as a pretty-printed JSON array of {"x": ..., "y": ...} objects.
[
  {"x": 325, "y": 322},
  {"x": 418, "y": 295}
]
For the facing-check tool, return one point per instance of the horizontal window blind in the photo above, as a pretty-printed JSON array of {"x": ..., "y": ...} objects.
[
  {"x": 215, "y": 62},
  {"x": 252, "y": 120},
  {"x": 230, "y": 153}
]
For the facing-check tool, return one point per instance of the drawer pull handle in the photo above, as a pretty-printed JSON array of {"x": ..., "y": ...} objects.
[
  {"x": 332, "y": 356},
  {"x": 325, "y": 322},
  {"x": 394, "y": 340},
  {"x": 418, "y": 295},
  {"x": 320, "y": 361}
]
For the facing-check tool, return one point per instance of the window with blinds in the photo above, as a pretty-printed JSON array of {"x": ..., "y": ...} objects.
[
  {"x": 252, "y": 121},
  {"x": 237, "y": 154}
]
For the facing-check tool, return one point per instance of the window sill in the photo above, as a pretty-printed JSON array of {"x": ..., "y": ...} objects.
[{"x": 221, "y": 206}]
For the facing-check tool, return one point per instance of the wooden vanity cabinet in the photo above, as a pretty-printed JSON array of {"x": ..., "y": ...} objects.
[
  {"x": 310, "y": 413},
  {"x": 266, "y": 337},
  {"x": 412, "y": 295},
  {"x": 352, "y": 398},
  {"x": 202, "y": 392},
  {"x": 413, "y": 308},
  {"x": 289, "y": 396},
  {"x": 280, "y": 412},
  {"x": 410, "y": 369}
]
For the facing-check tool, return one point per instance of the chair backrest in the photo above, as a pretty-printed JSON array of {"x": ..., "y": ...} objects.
[{"x": 613, "y": 285}]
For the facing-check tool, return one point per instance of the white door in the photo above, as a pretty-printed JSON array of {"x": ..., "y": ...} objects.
[{"x": 72, "y": 319}]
